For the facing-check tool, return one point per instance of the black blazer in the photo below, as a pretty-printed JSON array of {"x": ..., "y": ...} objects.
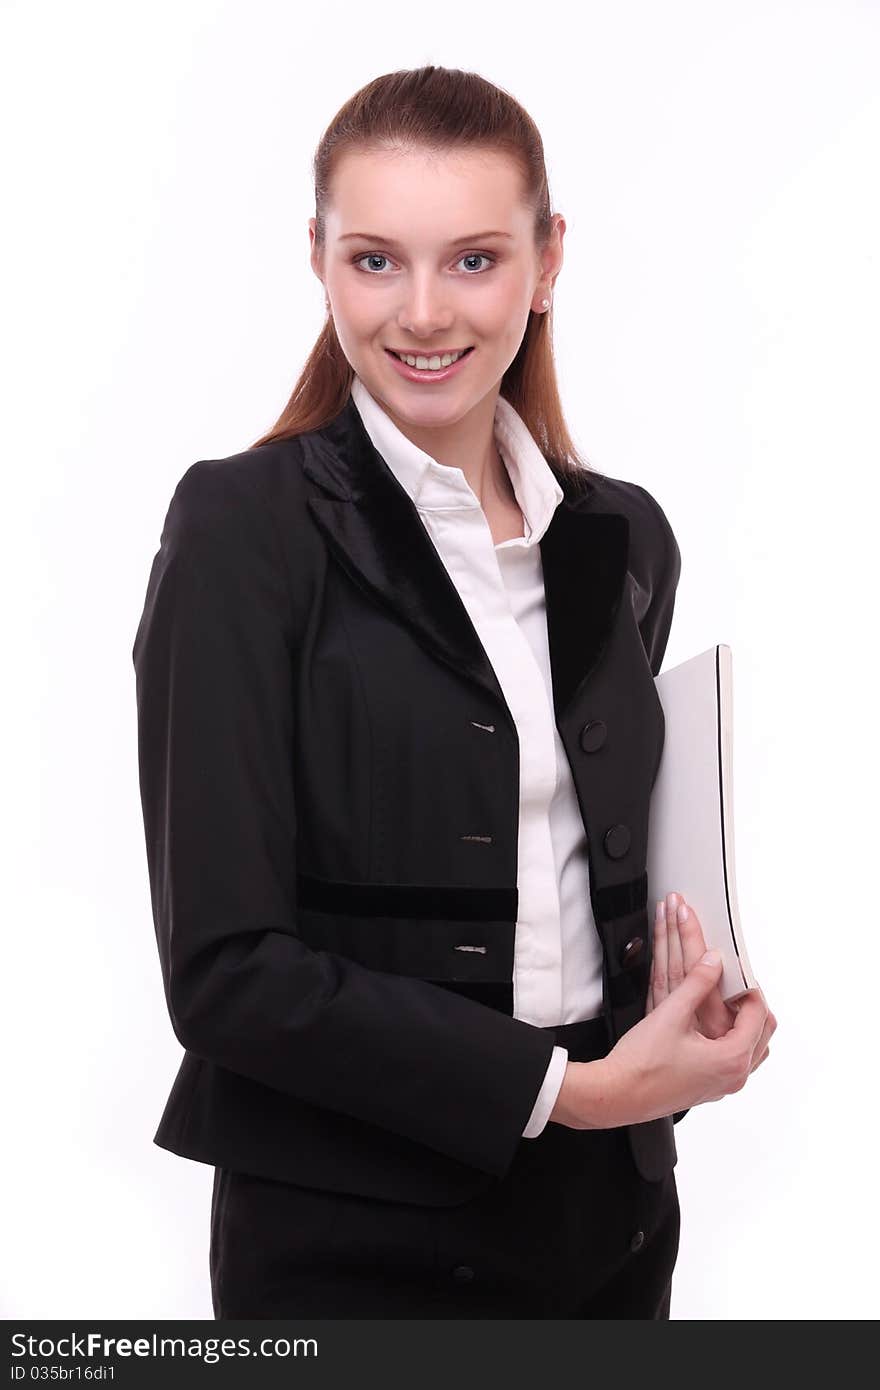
[{"x": 329, "y": 782}]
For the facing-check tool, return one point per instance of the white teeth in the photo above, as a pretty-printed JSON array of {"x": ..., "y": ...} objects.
[{"x": 430, "y": 364}]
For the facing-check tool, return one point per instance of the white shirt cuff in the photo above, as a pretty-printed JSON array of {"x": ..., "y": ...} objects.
[{"x": 550, "y": 1088}]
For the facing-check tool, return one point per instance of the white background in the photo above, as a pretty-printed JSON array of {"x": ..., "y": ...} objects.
[{"x": 717, "y": 339}]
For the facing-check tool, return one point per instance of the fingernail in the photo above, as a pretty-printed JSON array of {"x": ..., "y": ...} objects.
[
  {"x": 711, "y": 957},
  {"x": 682, "y": 912},
  {"x": 673, "y": 901},
  {"x": 660, "y": 910}
]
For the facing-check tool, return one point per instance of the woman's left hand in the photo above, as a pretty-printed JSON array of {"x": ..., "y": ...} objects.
[{"x": 677, "y": 948}]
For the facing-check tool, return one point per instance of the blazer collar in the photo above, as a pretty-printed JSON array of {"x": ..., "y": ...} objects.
[{"x": 373, "y": 529}]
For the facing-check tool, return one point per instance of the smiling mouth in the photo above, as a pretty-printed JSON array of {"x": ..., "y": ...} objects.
[{"x": 427, "y": 356}]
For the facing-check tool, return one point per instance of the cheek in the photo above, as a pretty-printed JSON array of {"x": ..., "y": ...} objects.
[
  {"x": 503, "y": 315},
  {"x": 507, "y": 338},
  {"x": 358, "y": 327},
  {"x": 353, "y": 302}
]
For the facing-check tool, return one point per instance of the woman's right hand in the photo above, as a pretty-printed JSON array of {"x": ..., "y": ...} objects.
[{"x": 663, "y": 1063}]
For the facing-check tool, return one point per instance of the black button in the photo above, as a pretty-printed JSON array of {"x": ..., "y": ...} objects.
[
  {"x": 632, "y": 952},
  {"x": 462, "y": 1273},
  {"x": 637, "y": 1241},
  {"x": 617, "y": 841},
  {"x": 593, "y": 735}
]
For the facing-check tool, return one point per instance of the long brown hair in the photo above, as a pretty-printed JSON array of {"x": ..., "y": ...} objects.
[{"x": 437, "y": 109}]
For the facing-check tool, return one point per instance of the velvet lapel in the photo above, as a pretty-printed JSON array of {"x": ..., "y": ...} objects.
[{"x": 376, "y": 534}]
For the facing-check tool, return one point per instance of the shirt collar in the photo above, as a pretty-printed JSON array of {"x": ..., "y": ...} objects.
[{"x": 437, "y": 486}]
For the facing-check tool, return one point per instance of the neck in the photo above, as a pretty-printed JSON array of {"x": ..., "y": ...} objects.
[{"x": 468, "y": 444}]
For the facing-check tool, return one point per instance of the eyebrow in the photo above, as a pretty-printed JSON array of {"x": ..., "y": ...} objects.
[{"x": 389, "y": 241}]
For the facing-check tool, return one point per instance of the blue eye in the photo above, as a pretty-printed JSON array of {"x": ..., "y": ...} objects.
[
  {"x": 476, "y": 256},
  {"x": 374, "y": 256},
  {"x": 380, "y": 256}
]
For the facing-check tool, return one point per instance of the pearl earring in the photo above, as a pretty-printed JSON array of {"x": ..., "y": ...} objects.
[{"x": 544, "y": 303}]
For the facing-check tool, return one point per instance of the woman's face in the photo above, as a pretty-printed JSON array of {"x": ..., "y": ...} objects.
[{"x": 427, "y": 254}]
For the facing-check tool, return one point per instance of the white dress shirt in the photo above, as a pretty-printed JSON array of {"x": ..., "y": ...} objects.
[{"x": 557, "y": 974}]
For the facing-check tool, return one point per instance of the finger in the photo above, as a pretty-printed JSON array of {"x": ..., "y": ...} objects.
[
  {"x": 660, "y": 958},
  {"x": 755, "y": 999},
  {"x": 714, "y": 1017},
  {"x": 675, "y": 966},
  {"x": 690, "y": 932},
  {"x": 766, "y": 1033},
  {"x": 751, "y": 1015},
  {"x": 718, "y": 1016}
]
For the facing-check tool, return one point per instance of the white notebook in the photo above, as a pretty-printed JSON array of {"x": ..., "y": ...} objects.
[{"x": 690, "y": 826}]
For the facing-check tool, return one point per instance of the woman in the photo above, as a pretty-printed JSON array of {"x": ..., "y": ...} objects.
[{"x": 397, "y": 735}]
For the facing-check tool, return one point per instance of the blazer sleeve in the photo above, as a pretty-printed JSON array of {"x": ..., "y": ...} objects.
[
  {"x": 656, "y": 624},
  {"x": 657, "y": 621},
  {"x": 214, "y": 667}
]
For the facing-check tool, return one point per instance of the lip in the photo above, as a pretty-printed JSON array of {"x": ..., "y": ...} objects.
[{"x": 425, "y": 374}]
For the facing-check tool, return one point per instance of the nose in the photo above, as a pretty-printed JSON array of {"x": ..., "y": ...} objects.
[{"x": 425, "y": 309}]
